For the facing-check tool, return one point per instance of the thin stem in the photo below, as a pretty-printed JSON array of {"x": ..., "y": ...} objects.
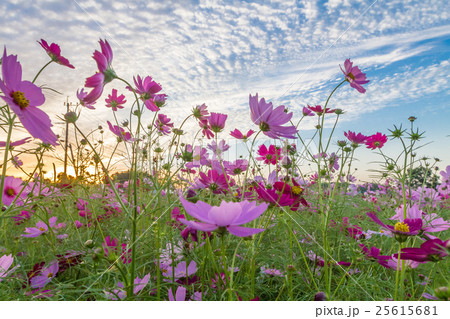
[{"x": 42, "y": 69}]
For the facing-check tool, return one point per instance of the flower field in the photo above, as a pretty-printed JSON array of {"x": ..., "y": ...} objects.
[{"x": 188, "y": 221}]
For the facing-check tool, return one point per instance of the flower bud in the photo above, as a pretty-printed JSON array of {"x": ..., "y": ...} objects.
[
  {"x": 320, "y": 296},
  {"x": 89, "y": 243},
  {"x": 71, "y": 117}
]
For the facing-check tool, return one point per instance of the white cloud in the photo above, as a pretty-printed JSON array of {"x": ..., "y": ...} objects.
[{"x": 218, "y": 52}]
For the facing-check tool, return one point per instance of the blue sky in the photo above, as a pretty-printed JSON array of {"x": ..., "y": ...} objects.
[{"x": 217, "y": 52}]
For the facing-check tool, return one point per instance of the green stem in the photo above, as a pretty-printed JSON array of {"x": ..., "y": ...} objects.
[
  {"x": 5, "y": 158},
  {"x": 42, "y": 69}
]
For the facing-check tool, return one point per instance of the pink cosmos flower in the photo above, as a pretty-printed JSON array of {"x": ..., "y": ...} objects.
[
  {"x": 431, "y": 250},
  {"x": 16, "y": 143},
  {"x": 11, "y": 189},
  {"x": 409, "y": 227},
  {"x": 163, "y": 124},
  {"x": 272, "y": 272},
  {"x": 217, "y": 121},
  {"x": 354, "y": 76},
  {"x": 120, "y": 133},
  {"x": 6, "y": 262},
  {"x": 23, "y": 97},
  {"x": 409, "y": 264},
  {"x": 236, "y": 167},
  {"x": 104, "y": 75},
  {"x": 431, "y": 222},
  {"x": 319, "y": 111},
  {"x": 81, "y": 95},
  {"x": 54, "y": 52},
  {"x": 307, "y": 112},
  {"x": 227, "y": 216},
  {"x": 355, "y": 138},
  {"x": 78, "y": 224},
  {"x": 206, "y": 129},
  {"x": 180, "y": 294},
  {"x": 16, "y": 161},
  {"x": 22, "y": 217},
  {"x": 115, "y": 102},
  {"x": 41, "y": 228},
  {"x": 446, "y": 175},
  {"x": 46, "y": 275},
  {"x": 147, "y": 89},
  {"x": 200, "y": 112},
  {"x": 269, "y": 156},
  {"x": 218, "y": 149},
  {"x": 374, "y": 254},
  {"x": 181, "y": 270},
  {"x": 269, "y": 195},
  {"x": 214, "y": 180},
  {"x": 121, "y": 294},
  {"x": 270, "y": 120},
  {"x": 111, "y": 245},
  {"x": 237, "y": 134},
  {"x": 376, "y": 141},
  {"x": 199, "y": 156}
]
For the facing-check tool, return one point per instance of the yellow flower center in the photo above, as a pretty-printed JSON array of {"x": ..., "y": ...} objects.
[
  {"x": 41, "y": 228},
  {"x": 402, "y": 227},
  {"x": 297, "y": 190},
  {"x": 50, "y": 275},
  {"x": 10, "y": 192},
  {"x": 351, "y": 76},
  {"x": 20, "y": 99}
]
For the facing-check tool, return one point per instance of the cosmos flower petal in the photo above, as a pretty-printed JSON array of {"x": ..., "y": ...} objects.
[{"x": 240, "y": 231}]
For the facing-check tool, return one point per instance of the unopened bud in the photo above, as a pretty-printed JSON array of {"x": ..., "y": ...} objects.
[
  {"x": 89, "y": 243},
  {"x": 71, "y": 117},
  {"x": 320, "y": 296}
]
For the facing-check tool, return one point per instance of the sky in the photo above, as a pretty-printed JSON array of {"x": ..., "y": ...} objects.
[{"x": 219, "y": 52}]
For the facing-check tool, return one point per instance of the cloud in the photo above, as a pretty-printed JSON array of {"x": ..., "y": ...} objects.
[{"x": 217, "y": 52}]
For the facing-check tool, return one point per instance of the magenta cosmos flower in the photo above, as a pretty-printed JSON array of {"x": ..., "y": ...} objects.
[
  {"x": 163, "y": 124},
  {"x": 200, "y": 111},
  {"x": 206, "y": 129},
  {"x": 11, "y": 189},
  {"x": 270, "y": 120},
  {"x": 81, "y": 95},
  {"x": 431, "y": 250},
  {"x": 120, "y": 132},
  {"x": 319, "y": 111},
  {"x": 408, "y": 227},
  {"x": 307, "y": 112},
  {"x": 16, "y": 143},
  {"x": 215, "y": 181},
  {"x": 269, "y": 156},
  {"x": 376, "y": 141},
  {"x": 104, "y": 75},
  {"x": 114, "y": 101},
  {"x": 354, "y": 76},
  {"x": 227, "y": 216},
  {"x": 355, "y": 138},
  {"x": 23, "y": 97},
  {"x": 431, "y": 222},
  {"x": 147, "y": 89},
  {"x": 54, "y": 52},
  {"x": 237, "y": 134}
]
